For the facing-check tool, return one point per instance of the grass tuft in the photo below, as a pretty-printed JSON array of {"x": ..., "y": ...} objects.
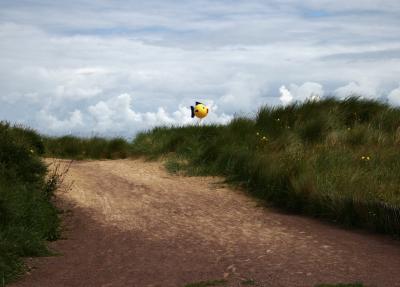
[
  {"x": 220, "y": 282},
  {"x": 248, "y": 282}
]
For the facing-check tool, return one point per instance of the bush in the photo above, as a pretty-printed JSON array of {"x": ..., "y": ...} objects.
[{"x": 27, "y": 217}]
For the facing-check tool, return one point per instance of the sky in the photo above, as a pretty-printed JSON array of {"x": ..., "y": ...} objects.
[{"x": 114, "y": 68}]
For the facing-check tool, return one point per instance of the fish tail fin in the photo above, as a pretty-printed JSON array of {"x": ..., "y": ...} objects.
[{"x": 192, "y": 108}]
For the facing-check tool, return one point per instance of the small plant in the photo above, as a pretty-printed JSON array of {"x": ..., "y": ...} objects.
[
  {"x": 55, "y": 177},
  {"x": 365, "y": 158},
  {"x": 261, "y": 141},
  {"x": 221, "y": 282},
  {"x": 248, "y": 282}
]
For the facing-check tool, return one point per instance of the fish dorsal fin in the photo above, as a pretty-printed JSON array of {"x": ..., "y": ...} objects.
[{"x": 198, "y": 103}]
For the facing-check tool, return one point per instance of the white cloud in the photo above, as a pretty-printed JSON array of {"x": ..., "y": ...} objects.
[
  {"x": 59, "y": 58},
  {"x": 394, "y": 97},
  {"x": 53, "y": 124},
  {"x": 286, "y": 97},
  {"x": 243, "y": 92},
  {"x": 365, "y": 90},
  {"x": 77, "y": 92},
  {"x": 307, "y": 91},
  {"x": 363, "y": 5},
  {"x": 116, "y": 116}
]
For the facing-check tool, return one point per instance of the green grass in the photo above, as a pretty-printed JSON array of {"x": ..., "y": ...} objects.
[
  {"x": 337, "y": 160},
  {"x": 248, "y": 282},
  {"x": 221, "y": 282},
  {"x": 27, "y": 216},
  {"x": 86, "y": 148}
]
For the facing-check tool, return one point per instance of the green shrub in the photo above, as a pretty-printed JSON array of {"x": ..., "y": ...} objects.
[{"x": 27, "y": 217}]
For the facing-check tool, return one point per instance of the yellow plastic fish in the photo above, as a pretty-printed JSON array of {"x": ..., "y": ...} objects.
[{"x": 199, "y": 110}]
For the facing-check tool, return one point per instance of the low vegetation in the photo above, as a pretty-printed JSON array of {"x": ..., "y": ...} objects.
[
  {"x": 27, "y": 216},
  {"x": 221, "y": 282}
]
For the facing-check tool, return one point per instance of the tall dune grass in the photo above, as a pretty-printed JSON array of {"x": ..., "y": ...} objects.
[
  {"x": 338, "y": 160},
  {"x": 83, "y": 148}
]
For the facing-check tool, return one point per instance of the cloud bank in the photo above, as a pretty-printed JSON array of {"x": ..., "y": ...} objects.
[{"x": 118, "y": 67}]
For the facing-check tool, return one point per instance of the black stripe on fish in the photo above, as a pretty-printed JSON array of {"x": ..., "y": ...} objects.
[{"x": 192, "y": 109}]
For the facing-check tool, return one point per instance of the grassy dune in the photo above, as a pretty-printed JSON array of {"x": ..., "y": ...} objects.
[
  {"x": 332, "y": 159},
  {"x": 72, "y": 147},
  {"x": 27, "y": 217},
  {"x": 338, "y": 160}
]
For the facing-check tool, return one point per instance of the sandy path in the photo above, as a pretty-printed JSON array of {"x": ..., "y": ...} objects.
[{"x": 133, "y": 224}]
